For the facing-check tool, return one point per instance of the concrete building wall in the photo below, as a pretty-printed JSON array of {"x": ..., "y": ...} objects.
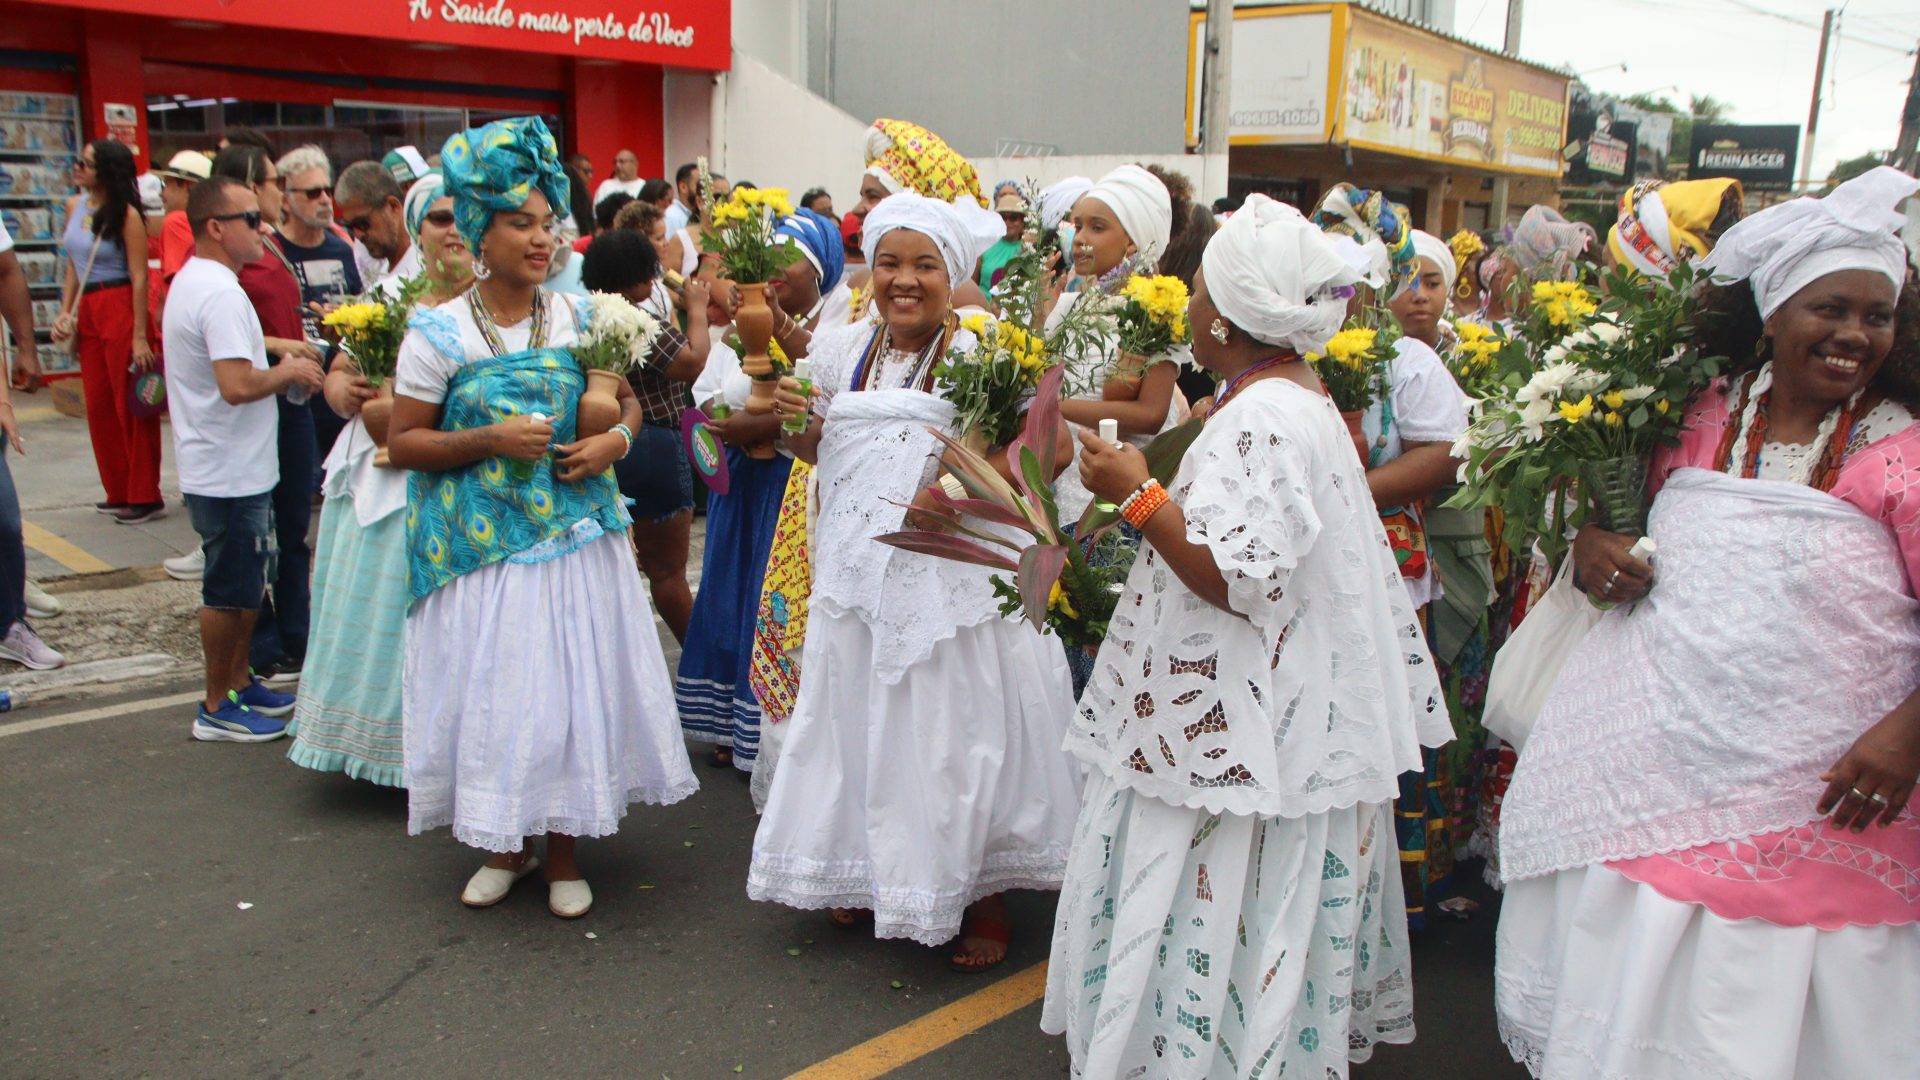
[{"x": 988, "y": 75}]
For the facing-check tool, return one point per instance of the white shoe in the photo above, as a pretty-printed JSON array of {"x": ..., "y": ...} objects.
[
  {"x": 569, "y": 899},
  {"x": 42, "y": 604},
  {"x": 23, "y": 646},
  {"x": 189, "y": 567},
  {"x": 490, "y": 885}
]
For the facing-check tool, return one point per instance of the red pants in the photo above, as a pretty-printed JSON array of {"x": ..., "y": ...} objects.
[{"x": 126, "y": 448}]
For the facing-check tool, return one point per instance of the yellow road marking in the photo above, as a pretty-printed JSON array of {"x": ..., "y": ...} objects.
[
  {"x": 916, "y": 1039},
  {"x": 61, "y": 550}
]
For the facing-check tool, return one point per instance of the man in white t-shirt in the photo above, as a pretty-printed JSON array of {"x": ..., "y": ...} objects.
[
  {"x": 226, "y": 448},
  {"x": 625, "y": 179}
]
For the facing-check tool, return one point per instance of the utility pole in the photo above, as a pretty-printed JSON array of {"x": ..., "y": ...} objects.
[
  {"x": 1813, "y": 111},
  {"x": 1906, "y": 155},
  {"x": 1516, "y": 13},
  {"x": 1216, "y": 94}
]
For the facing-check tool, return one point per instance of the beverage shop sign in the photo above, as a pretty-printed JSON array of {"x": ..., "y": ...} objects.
[{"x": 1410, "y": 92}]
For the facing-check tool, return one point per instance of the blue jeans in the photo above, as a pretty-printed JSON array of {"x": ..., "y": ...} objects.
[
  {"x": 282, "y": 629},
  {"x": 13, "y": 551},
  {"x": 235, "y": 535}
]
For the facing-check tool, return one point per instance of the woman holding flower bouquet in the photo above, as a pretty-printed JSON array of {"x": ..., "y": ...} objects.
[
  {"x": 1231, "y": 902},
  {"x": 537, "y": 699},
  {"x": 1125, "y": 370},
  {"x": 348, "y": 718},
  {"x": 1709, "y": 842},
  {"x": 1411, "y": 411},
  {"x": 923, "y": 773}
]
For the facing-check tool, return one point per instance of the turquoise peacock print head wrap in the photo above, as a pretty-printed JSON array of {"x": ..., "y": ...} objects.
[{"x": 498, "y": 167}]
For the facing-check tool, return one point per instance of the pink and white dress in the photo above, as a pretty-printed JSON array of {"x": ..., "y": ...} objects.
[{"x": 1675, "y": 907}]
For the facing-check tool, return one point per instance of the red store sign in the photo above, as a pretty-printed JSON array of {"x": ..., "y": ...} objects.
[{"x": 671, "y": 33}]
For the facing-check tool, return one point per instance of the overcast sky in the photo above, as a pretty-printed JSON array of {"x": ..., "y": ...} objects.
[{"x": 1760, "y": 63}]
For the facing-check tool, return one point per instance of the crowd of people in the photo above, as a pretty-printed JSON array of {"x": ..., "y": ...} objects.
[{"x": 1269, "y": 773}]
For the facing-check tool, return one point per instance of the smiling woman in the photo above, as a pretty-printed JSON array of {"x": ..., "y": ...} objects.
[{"x": 1706, "y": 862}]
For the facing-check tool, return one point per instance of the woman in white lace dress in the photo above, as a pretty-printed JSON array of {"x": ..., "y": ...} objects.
[
  {"x": 1232, "y": 906},
  {"x": 922, "y": 772},
  {"x": 1712, "y": 863}
]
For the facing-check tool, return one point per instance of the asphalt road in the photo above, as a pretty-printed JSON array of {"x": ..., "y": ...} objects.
[{"x": 174, "y": 908}]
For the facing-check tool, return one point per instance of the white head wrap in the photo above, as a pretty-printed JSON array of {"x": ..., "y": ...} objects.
[
  {"x": 1785, "y": 248},
  {"x": 1141, "y": 203},
  {"x": 425, "y": 191},
  {"x": 1651, "y": 211},
  {"x": 1056, "y": 200},
  {"x": 1269, "y": 271},
  {"x": 1428, "y": 246},
  {"x": 886, "y": 179},
  {"x": 963, "y": 230}
]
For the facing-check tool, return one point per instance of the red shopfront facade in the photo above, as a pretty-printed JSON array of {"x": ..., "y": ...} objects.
[{"x": 364, "y": 74}]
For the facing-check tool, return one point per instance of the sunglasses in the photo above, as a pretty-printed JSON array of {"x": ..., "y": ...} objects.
[
  {"x": 438, "y": 218},
  {"x": 82, "y": 164},
  {"x": 314, "y": 192},
  {"x": 251, "y": 217}
]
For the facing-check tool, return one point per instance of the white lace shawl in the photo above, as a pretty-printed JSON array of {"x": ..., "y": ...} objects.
[
  {"x": 1317, "y": 690},
  {"x": 1778, "y": 629},
  {"x": 876, "y": 453}
]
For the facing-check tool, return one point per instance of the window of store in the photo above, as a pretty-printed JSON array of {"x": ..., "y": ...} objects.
[{"x": 348, "y": 131}]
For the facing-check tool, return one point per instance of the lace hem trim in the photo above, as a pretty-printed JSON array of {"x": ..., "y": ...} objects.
[
  {"x": 1691, "y": 829},
  {"x": 930, "y": 918},
  {"x": 920, "y": 649},
  {"x": 426, "y": 820},
  {"x": 312, "y": 757}
]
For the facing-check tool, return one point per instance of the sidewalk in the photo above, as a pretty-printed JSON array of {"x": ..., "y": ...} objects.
[{"x": 58, "y": 486}]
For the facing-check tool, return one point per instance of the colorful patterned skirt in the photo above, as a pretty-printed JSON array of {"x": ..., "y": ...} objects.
[
  {"x": 780, "y": 627},
  {"x": 713, "y": 690},
  {"x": 348, "y": 716}
]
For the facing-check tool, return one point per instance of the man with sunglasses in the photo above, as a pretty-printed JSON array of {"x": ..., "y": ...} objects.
[
  {"x": 321, "y": 260},
  {"x": 220, "y": 395},
  {"x": 371, "y": 204}
]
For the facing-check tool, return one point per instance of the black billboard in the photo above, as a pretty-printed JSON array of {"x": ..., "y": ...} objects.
[
  {"x": 1601, "y": 151},
  {"x": 1760, "y": 156}
]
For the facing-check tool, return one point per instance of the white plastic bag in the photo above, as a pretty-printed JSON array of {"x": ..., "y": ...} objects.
[{"x": 1527, "y": 665}]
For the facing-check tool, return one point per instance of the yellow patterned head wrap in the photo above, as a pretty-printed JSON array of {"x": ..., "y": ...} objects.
[
  {"x": 1662, "y": 225},
  {"x": 908, "y": 157}
]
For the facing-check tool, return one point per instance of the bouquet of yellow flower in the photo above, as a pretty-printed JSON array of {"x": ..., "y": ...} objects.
[
  {"x": 1354, "y": 366},
  {"x": 742, "y": 235},
  {"x": 1484, "y": 360},
  {"x": 1558, "y": 308},
  {"x": 989, "y": 383},
  {"x": 372, "y": 326},
  {"x": 1152, "y": 319},
  {"x": 1585, "y": 423}
]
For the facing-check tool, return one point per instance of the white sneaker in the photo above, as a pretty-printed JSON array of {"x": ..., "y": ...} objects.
[
  {"x": 41, "y": 604},
  {"x": 189, "y": 567},
  {"x": 490, "y": 885},
  {"x": 569, "y": 899},
  {"x": 23, "y": 646}
]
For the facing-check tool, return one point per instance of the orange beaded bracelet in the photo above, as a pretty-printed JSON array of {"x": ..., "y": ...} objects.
[{"x": 1144, "y": 504}]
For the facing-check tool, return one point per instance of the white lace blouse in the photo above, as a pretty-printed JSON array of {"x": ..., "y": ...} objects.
[{"x": 1317, "y": 690}]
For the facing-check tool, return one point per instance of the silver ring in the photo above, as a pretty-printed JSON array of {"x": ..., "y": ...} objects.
[
  {"x": 1877, "y": 799},
  {"x": 1858, "y": 794},
  {"x": 1612, "y": 579}
]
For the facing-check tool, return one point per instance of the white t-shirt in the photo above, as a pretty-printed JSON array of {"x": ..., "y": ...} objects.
[
  {"x": 221, "y": 450},
  {"x": 609, "y": 186},
  {"x": 6, "y": 239},
  {"x": 1428, "y": 407}
]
